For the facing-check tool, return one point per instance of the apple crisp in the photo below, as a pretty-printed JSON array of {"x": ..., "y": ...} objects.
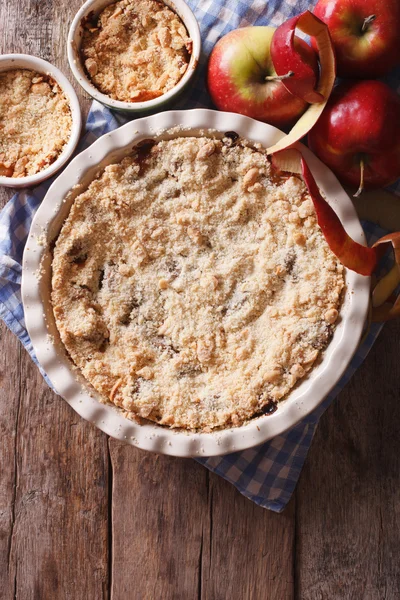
[
  {"x": 35, "y": 122},
  {"x": 135, "y": 50},
  {"x": 192, "y": 285}
]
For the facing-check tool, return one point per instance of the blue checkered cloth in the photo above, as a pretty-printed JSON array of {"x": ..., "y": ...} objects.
[{"x": 266, "y": 474}]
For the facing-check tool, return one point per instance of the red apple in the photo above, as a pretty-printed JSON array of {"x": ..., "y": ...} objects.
[
  {"x": 286, "y": 59},
  {"x": 284, "y": 55},
  {"x": 360, "y": 126},
  {"x": 242, "y": 79},
  {"x": 365, "y": 34}
]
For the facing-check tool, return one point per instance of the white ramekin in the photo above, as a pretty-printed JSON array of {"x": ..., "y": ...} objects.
[
  {"x": 51, "y": 354},
  {"x": 94, "y": 7},
  {"x": 9, "y": 62}
]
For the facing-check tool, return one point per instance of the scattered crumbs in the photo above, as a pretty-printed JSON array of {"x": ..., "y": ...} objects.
[{"x": 41, "y": 239}]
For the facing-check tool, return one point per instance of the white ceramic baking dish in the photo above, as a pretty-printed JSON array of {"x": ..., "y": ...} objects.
[
  {"x": 93, "y": 8},
  {"x": 51, "y": 353},
  {"x": 9, "y": 62}
]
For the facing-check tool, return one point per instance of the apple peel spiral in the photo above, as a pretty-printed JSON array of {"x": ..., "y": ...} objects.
[
  {"x": 284, "y": 55},
  {"x": 352, "y": 255}
]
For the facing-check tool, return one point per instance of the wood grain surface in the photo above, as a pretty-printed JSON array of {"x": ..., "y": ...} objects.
[{"x": 83, "y": 517}]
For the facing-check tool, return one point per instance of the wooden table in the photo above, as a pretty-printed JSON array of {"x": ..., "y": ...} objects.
[{"x": 85, "y": 517}]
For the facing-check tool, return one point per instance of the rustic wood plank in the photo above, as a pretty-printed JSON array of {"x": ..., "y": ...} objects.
[
  {"x": 251, "y": 550},
  {"x": 63, "y": 14},
  {"x": 58, "y": 530},
  {"x": 9, "y": 406},
  {"x": 348, "y": 498},
  {"x": 160, "y": 525},
  {"x": 180, "y": 532}
]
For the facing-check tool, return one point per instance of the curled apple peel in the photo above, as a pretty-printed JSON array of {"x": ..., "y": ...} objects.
[
  {"x": 288, "y": 58},
  {"x": 381, "y": 309},
  {"x": 288, "y": 160},
  {"x": 351, "y": 254},
  {"x": 386, "y": 286},
  {"x": 285, "y": 53},
  {"x": 354, "y": 256}
]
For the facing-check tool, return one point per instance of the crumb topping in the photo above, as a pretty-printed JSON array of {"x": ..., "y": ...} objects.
[
  {"x": 136, "y": 50},
  {"x": 192, "y": 285},
  {"x": 35, "y": 122}
]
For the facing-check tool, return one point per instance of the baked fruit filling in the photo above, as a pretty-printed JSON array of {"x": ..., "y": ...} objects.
[
  {"x": 35, "y": 122},
  {"x": 135, "y": 50},
  {"x": 192, "y": 285}
]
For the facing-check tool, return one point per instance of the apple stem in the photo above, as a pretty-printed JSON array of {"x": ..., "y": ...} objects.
[
  {"x": 367, "y": 22},
  {"x": 361, "y": 186},
  {"x": 279, "y": 77}
]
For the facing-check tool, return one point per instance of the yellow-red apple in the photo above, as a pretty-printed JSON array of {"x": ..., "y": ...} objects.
[{"x": 241, "y": 77}]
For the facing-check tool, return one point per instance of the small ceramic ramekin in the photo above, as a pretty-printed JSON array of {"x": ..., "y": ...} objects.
[
  {"x": 8, "y": 62},
  {"x": 94, "y": 7}
]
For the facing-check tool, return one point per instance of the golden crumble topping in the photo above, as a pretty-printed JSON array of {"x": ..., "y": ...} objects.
[
  {"x": 136, "y": 50},
  {"x": 35, "y": 122},
  {"x": 192, "y": 285}
]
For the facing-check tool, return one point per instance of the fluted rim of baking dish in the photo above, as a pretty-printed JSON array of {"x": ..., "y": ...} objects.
[
  {"x": 73, "y": 51},
  {"x": 67, "y": 381},
  {"x": 9, "y": 62}
]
